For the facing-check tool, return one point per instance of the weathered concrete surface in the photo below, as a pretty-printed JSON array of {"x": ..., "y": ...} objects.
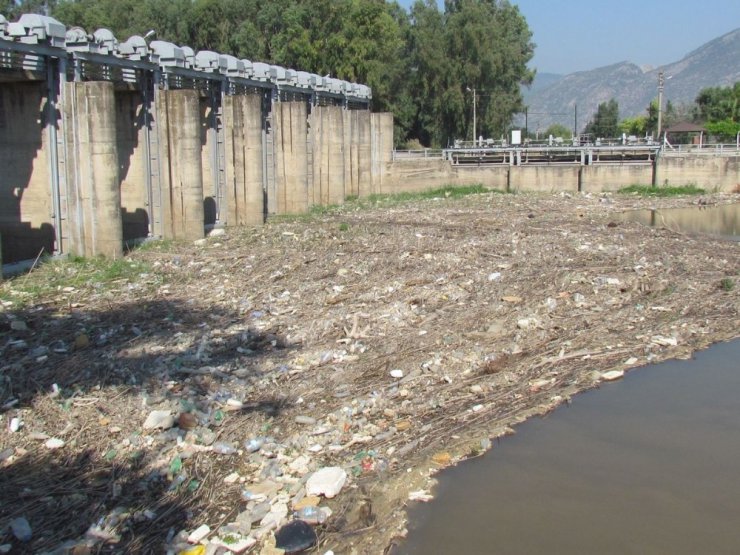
[
  {"x": 381, "y": 151},
  {"x": 543, "y": 178},
  {"x": 328, "y": 149},
  {"x": 95, "y": 195},
  {"x": 364, "y": 153},
  {"x": 132, "y": 164},
  {"x": 209, "y": 163},
  {"x": 291, "y": 157},
  {"x": 182, "y": 175},
  {"x": 26, "y": 224},
  {"x": 243, "y": 143},
  {"x": 611, "y": 177},
  {"x": 705, "y": 171}
]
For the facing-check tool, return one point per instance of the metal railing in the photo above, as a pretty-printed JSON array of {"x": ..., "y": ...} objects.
[{"x": 431, "y": 153}]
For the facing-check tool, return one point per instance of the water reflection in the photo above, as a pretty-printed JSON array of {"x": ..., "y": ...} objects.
[
  {"x": 723, "y": 221},
  {"x": 645, "y": 465}
]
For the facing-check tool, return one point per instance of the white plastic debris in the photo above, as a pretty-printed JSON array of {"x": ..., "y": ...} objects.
[
  {"x": 612, "y": 375},
  {"x": 420, "y": 495},
  {"x": 54, "y": 443},
  {"x": 199, "y": 533},
  {"x": 327, "y": 481},
  {"x": 398, "y": 374},
  {"x": 159, "y": 419}
]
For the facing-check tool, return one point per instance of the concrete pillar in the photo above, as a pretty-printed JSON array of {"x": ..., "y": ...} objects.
[
  {"x": 26, "y": 208},
  {"x": 364, "y": 159},
  {"x": 291, "y": 168},
  {"x": 96, "y": 196},
  {"x": 335, "y": 152},
  {"x": 349, "y": 148},
  {"x": 243, "y": 120},
  {"x": 319, "y": 189},
  {"x": 182, "y": 172},
  {"x": 381, "y": 151},
  {"x": 131, "y": 139}
]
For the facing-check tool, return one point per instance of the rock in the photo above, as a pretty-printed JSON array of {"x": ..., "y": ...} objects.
[
  {"x": 200, "y": 242},
  {"x": 511, "y": 299},
  {"x": 82, "y": 341},
  {"x": 630, "y": 361},
  {"x": 187, "y": 421},
  {"x": 443, "y": 458},
  {"x": 21, "y": 529},
  {"x": 18, "y": 325},
  {"x": 398, "y": 374},
  {"x": 15, "y": 424},
  {"x": 231, "y": 478},
  {"x": 296, "y": 536},
  {"x": 476, "y": 389},
  {"x": 217, "y": 232},
  {"x": 159, "y": 420},
  {"x": 199, "y": 533},
  {"x": 54, "y": 443},
  {"x": 495, "y": 276},
  {"x": 612, "y": 375},
  {"x": 299, "y": 465},
  {"x": 327, "y": 481}
]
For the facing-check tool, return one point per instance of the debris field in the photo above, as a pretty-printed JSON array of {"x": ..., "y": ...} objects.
[{"x": 324, "y": 368}]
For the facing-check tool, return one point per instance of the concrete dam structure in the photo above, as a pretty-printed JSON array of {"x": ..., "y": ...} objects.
[{"x": 106, "y": 143}]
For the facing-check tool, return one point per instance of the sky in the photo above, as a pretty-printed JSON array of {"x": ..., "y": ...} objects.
[{"x": 578, "y": 35}]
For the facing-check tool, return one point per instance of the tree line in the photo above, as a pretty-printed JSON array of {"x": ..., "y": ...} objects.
[
  {"x": 717, "y": 109},
  {"x": 424, "y": 64}
]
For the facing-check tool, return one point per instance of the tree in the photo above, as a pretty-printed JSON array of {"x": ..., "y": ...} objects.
[
  {"x": 558, "y": 130},
  {"x": 634, "y": 126},
  {"x": 605, "y": 122},
  {"x": 718, "y": 103}
]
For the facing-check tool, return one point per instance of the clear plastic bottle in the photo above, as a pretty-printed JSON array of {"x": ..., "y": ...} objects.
[
  {"x": 312, "y": 515},
  {"x": 223, "y": 448}
]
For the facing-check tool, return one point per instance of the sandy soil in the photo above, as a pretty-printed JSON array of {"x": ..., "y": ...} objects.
[{"x": 389, "y": 341}]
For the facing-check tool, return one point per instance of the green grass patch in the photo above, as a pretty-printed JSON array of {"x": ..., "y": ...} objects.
[
  {"x": 662, "y": 191},
  {"x": 78, "y": 272},
  {"x": 372, "y": 201},
  {"x": 727, "y": 284}
]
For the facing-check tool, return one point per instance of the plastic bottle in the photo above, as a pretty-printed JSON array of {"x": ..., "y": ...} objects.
[
  {"x": 312, "y": 515},
  {"x": 223, "y": 448},
  {"x": 255, "y": 444}
]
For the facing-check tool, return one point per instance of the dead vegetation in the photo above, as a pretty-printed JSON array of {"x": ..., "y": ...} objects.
[{"x": 487, "y": 309}]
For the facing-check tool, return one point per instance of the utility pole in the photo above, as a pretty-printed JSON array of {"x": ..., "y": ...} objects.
[
  {"x": 575, "y": 121},
  {"x": 661, "y": 82},
  {"x": 474, "y": 122}
]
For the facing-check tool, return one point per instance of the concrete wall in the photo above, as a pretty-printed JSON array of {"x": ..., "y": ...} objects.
[
  {"x": 708, "y": 172},
  {"x": 291, "y": 157},
  {"x": 208, "y": 160},
  {"x": 132, "y": 164},
  {"x": 611, "y": 177},
  {"x": 543, "y": 178},
  {"x": 26, "y": 224}
]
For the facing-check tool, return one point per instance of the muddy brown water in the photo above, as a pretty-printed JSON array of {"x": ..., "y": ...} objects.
[
  {"x": 645, "y": 465},
  {"x": 723, "y": 221}
]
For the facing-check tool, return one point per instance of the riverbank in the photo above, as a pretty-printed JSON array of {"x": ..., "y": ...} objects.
[{"x": 388, "y": 341}]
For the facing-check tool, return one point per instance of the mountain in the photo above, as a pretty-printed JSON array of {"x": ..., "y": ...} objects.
[{"x": 555, "y": 98}]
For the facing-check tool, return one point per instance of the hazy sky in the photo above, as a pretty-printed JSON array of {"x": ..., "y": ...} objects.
[{"x": 575, "y": 35}]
